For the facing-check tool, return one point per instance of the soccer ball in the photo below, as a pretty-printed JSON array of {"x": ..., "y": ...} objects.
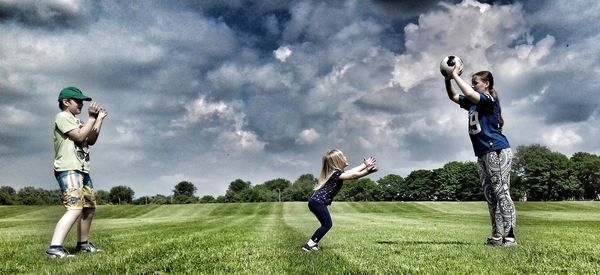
[{"x": 448, "y": 63}]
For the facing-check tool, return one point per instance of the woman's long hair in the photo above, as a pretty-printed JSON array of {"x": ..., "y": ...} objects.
[
  {"x": 333, "y": 160},
  {"x": 487, "y": 76}
]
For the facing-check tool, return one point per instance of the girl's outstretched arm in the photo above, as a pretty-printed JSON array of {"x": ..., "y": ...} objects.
[{"x": 367, "y": 167}]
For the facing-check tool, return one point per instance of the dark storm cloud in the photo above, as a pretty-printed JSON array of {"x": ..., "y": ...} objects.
[
  {"x": 563, "y": 102},
  {"x": 43, "y": 14}
]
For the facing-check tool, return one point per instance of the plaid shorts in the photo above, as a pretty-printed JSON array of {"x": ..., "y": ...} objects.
[{"x": 77, "y": 188}]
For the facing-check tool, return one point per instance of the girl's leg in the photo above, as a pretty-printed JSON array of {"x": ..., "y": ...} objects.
[
  {"x": 496, "y": 183},
  {"x": 322, "y": 213},
  {"x": 490, "y": 197},
  {"x": 64, "y": 226}
]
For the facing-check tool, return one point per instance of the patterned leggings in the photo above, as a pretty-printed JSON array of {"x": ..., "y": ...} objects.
[{"x": 494, "y": 171}]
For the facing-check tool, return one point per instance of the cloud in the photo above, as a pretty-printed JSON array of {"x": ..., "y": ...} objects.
[
  {"x": 282, "y": 53},
  {"x": 307, "y": 136},
  {"x": 259, "y": 90}
]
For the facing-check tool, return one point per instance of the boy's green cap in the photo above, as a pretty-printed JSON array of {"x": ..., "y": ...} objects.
[{"x": 72, "y": 92}]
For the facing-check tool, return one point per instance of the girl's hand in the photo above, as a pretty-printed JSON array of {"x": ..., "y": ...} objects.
[
  {"x": 369, "y": 161},
  {"x": 457, "y": 71},
  {"x": 372, "y": 169}
]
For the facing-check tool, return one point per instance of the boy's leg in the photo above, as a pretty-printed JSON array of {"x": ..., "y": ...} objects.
[
  {"x": 85, "y": 223},
  {"x": 71, "y": 183},
  {"x": 64, "y": 226}
]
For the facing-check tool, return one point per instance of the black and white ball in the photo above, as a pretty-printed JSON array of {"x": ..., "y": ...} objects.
[{"x": 448, "y": 63}]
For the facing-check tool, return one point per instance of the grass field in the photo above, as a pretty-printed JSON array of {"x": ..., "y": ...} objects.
[{"x": 265, "y": 238}]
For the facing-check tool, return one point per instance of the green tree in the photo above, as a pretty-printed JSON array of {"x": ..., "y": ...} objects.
[
  {"x": 184, "y": 193},
  {"x": 142, "y": 200},
  {"x": 37, "y": 196},
  {"x": 587, "y": 171},
  {"x": 302, "y": 188},
  {"x": 392, "y": 188},
  {"x": 363, "y": 189},
  {"x": 207, "y": 199},
  {"x": 185, "y": 188},
  {"x": 159, "y": 199},
  {"x": 121, "y": 195},
  {"x": 102, "y": 197},
  {"x": 421, "y": 185},
  {"x": 240, "y": 191},
  {"x": 545, "y": 175},
  {"x": 458, "y": 181},
  {"x": 272, "y": 190},
  {"x": 8, "y": 195}
]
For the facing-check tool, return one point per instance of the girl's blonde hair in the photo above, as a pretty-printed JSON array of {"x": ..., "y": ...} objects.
[
  {"x": 333, "y": 160},
  {"x": 487, "y": 76}
]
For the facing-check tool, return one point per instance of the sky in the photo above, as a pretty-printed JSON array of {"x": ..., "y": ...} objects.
[{"x": 214, "y": 91}]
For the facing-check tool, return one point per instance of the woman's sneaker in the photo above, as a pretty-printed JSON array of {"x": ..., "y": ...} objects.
[
  {"x": 509, "y": 242},
  {"x": 309, "y": 248},
  {"x": 88, "y": 247},
  {"x": 494, "y": 241},
  {"x": 58, "y": 252}
]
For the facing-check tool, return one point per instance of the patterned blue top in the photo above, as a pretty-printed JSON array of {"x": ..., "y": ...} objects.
[
  {"x": 484, "y": 124},
  {"x": 326, "y": 193}
]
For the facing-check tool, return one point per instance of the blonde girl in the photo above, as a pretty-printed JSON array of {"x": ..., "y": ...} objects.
[{"x": 330, "y": 182}]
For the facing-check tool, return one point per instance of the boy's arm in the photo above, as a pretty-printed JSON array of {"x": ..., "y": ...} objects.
[
  {"x": 79, "y": 135},
  {"x": 95, "y": 132}
]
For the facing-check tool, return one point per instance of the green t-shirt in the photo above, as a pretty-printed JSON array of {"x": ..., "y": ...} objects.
[{"x": 69, "y": 155}]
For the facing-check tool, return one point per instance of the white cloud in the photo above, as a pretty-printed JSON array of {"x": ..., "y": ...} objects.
[
  {"x": 200, "y": 109},
  {"x": 307, "y": 136},
  {"x": 282, "y": 53},
  {"x": 239, "y": 142},
  {"x": 562, "y": 138}
]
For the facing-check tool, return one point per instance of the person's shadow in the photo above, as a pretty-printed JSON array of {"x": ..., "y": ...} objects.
[{"x": 423, "y": 242}]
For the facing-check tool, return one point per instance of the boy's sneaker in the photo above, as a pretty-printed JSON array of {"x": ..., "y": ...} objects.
[
  {"x": 309, "y": 248},
  {"x": 494, "y": 241},
  {"x": 509, "y": 242},
  {"x": 59, "y": 252},
  {"x": 88, "y": 247}
]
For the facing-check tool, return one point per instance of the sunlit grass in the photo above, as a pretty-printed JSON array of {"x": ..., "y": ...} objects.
[{"x": 263, "y": 238}]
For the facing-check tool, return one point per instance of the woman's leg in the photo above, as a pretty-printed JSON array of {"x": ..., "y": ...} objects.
[{"x": 494, "y": 170}]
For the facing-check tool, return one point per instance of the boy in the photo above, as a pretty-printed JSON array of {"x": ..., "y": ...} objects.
[{"x": 72, "y": 139}]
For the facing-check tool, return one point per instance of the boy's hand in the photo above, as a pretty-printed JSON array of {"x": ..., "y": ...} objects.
[
  {"x": 93, "y": 109},
  {"x": 372, "y": 169},
  {"x": 102, "y": 113}
]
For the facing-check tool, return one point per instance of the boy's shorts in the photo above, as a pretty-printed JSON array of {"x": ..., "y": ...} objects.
[{"x": 77, "y": 188}]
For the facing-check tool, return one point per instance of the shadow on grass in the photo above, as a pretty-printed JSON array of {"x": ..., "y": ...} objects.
[{"x": 424, "y": 243}]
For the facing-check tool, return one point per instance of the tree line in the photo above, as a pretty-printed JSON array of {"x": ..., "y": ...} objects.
[{"x": 537, "y": 174}]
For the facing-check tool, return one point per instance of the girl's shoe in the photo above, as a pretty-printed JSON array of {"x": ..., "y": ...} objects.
[
  {"x": 309, "y": 248},
  {"x": 494, "y": 241},
  {"x": 509, "y": 242}
]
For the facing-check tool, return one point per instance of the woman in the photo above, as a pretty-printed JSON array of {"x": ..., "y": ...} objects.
[{"x": 492, "y": 149}]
